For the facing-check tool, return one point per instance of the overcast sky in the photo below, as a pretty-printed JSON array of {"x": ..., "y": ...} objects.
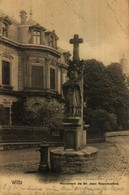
[{"x": 103, "y": 24}]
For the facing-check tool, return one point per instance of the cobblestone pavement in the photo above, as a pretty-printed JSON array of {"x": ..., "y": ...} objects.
[
  {"x": 19, "y": 161},
  {"x": 112, "y": 161},
  {"x": 121, "y": 167},
  {"x": 112, "y": 164}
]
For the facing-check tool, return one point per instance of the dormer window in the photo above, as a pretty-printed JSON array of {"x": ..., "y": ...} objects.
[
  {"x": 36, "y": 37},
  {"x": 52, "y": 39},
  {"x": 4, "y": 25},
  {"x": 37, "y": 34},
  {"x": 51, "y": 43},
  {"x": 5, "y": 30}
]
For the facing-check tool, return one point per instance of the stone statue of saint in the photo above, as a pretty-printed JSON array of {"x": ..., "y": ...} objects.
[{"x": 72, "y": 91}]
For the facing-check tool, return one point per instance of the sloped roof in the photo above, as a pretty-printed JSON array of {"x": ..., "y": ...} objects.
[
  {"x": 31, "y": 22},
  {"x": 51, "y": 32},
  {"x": 2, "y": 14}
]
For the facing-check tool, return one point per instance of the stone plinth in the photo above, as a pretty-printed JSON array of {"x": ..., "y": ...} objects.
[
  {"x": 70, "y": 161},
  {"x": 73, "y": 133}
]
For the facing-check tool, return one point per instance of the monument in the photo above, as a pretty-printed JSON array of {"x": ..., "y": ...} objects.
[
  {"x": 75, "y": 156},
  {"x": 74, "y": 136}
]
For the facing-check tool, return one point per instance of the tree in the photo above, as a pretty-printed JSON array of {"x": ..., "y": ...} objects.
[
  {"x": 101, "y": 119},
  {"x": 94, "y": 88},
  {"x": 118, "y": 94},
  {"x": 105, "y": 88}
]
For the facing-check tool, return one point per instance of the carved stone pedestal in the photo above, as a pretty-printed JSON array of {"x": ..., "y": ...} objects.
[{"x": 73, "y": 133}]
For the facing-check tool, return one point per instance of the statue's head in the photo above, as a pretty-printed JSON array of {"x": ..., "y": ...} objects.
[
  {"x": 73, "y": 74},
  {"x": 73, "y": 71}
]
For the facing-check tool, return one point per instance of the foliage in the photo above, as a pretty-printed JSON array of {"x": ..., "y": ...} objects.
[
  {"x": 93, "y": 83},
  {"x": 50, "y": 116},
  {"x": 118, "y": 94},
  {"x": 101, "y": 119},
  {"x": 105, "y": 88},
  {"x": 47, "y": 115},
  {"x": 18, "y": 112},
  {"x": 30, "y": 118},
  {"x": 3, "y": 116}
]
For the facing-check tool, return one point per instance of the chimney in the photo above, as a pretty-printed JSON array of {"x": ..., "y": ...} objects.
[{"x": 23, "y": 16}]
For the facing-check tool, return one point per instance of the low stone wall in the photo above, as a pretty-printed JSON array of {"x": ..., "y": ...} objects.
[
  {"x": 26, "y": 134},
  {"x": 19, "y": 145},
  {"x": 70, "y": 161},
  {"x": 95, "y": 135}
]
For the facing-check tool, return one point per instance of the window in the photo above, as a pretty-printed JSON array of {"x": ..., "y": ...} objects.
[
  {"x": 5, "y": 30},
  {"x": 37, "y": 77},
  {"x": 51, "y": 42},
  {"x": 5, "y": 73},
  {"x": 37, "y": 37},
  {"x": 52, "y": 78}
]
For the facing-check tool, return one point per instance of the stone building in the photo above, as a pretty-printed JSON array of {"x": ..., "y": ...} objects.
[{"x": 31, "y": 64}]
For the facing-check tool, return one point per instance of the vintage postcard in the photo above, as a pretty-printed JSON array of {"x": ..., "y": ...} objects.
[{"x": 64, "y": 97}]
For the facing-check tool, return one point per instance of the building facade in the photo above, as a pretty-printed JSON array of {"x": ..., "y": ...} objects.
[{"x": 31, "y": 64}]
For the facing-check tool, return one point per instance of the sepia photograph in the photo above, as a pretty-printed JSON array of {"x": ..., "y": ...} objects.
[{"x": 64, "y": 97}]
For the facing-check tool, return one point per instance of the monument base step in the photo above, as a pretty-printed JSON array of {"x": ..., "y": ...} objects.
[{"x": 70, "y": 161}]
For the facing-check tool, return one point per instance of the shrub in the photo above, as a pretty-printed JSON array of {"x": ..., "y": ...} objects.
[
  {"x": 51, "y": 117},
  {"x": 47, "y": 115},
  {"x": 30, "y": 118},
  {"x": 3, "y": 116},
  {"x": 101, "y": 119}
]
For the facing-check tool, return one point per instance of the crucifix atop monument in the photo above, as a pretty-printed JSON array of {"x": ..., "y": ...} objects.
[{"x": 75, "y": 41}]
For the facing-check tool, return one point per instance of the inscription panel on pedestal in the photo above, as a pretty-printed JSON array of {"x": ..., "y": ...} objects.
[{"x": 70, "y": 140}]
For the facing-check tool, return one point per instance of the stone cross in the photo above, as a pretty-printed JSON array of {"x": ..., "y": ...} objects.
[
  {"x": 75, "y": 41},
  {"x": 74, "y": 134}
]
